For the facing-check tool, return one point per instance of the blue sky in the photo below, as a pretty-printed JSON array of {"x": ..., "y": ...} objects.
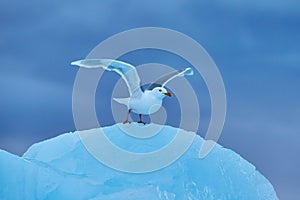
[{"x": 256, "y": 46}]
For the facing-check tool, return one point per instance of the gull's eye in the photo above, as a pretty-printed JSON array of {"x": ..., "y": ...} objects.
[{"x": 160, "y": 90}]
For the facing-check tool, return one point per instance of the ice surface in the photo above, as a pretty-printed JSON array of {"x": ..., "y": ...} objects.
[{"x": 61, "y": 168}]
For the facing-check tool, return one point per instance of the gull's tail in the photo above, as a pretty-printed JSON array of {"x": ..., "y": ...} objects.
[{"x": 124, "y": 101}]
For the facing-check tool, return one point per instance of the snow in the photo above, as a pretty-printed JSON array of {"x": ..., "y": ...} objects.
[{"x": 62, "y": 168}]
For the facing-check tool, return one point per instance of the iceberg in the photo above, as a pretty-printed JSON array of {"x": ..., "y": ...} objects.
[{"x": 63, "y": 168}]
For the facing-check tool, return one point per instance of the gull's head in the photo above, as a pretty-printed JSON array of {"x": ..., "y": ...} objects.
[{"x": 160, "y": 92}]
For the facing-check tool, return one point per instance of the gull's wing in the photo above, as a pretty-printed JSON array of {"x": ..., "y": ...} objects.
[
  {"x": 125, "y": 70},
  {"x": 162, "y": 81}
]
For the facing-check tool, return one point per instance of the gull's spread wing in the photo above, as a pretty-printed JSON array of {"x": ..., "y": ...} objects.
[
  {"x": 125, "y": 70},
  {"x": 162, "y": 81}
]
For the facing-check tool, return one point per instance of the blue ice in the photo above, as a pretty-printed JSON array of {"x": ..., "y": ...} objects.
[{"x": 62, "y": 168}]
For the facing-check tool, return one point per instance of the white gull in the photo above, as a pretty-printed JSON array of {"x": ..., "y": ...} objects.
[{"x": 142, "y": 102}]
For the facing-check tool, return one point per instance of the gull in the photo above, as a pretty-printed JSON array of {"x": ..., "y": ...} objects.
[{"x": 140, "y": 101}]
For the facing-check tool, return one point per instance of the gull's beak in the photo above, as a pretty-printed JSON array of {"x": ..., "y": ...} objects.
[{"x": 168, "y": 94}]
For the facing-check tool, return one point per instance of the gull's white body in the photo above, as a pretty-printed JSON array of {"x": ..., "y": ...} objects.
[{"x": 145, "y": 104}]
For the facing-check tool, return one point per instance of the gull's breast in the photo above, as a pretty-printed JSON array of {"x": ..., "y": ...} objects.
[{"x": 145, "y": 105}]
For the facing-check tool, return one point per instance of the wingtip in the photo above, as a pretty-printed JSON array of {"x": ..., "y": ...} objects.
[
  {"x": 188, "y": 71},
  {"x": 75, "y": 63}
]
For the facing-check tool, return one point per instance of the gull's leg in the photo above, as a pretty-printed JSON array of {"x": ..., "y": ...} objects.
[
  {"x": 141, "y": 122},
  {"x": 126, "y": 120}
]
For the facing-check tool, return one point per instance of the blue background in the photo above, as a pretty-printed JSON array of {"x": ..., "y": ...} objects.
[{"x": 256, "y": 46}]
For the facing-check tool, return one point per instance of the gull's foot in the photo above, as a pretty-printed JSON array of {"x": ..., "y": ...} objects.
[
  {"x": 127, "y": 122},
  {"x": 141, "y": 122}
]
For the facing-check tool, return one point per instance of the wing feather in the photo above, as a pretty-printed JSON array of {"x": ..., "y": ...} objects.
[
  {"x": 162, "y": 81},
  {"x": 125, "y": 70}
]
